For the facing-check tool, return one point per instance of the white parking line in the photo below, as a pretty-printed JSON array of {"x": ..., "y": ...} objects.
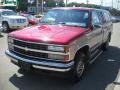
[{"x": 117, "y": 87}]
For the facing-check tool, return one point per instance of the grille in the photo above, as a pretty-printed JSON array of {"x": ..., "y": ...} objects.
[
  {"x": 21, "y": 20},
  {"x": 30, "y": 45},
  {"x": 30, "y": 53}
]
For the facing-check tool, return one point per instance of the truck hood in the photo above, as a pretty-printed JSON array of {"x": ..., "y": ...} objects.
[
  {"x": 14, "y": 17},
  {"x": 54, "y": 34}
]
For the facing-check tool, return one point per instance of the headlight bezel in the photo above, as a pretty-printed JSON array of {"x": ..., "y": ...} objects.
[
  {"x": 13, "y": 20},
  {"x": 10, "y": 46},
  {"x": 62, "y": 49},
  {"x": 56, "y": 57}
]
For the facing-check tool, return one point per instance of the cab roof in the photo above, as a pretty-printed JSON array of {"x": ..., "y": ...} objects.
[{"x": 79, "y": 8}]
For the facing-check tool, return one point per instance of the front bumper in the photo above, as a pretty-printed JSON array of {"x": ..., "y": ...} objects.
[
  {"x": 41, "y": 63},
  {"x": 18, "y": 25}
]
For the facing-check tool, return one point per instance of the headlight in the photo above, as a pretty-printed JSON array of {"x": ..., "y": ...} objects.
[
  {"x": 10, "y": 40},
  {"x": 58, "y": 57},
  {"x": 10, "y": 47},
  {"x": 56, "y": 48},
  {"x": 13, "y": 20}
]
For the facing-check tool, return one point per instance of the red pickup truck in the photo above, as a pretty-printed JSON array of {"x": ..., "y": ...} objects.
[{"x": 66, "y": 40}]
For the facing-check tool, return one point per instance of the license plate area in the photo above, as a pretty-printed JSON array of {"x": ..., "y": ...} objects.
[{"x": 25, "y": 65}]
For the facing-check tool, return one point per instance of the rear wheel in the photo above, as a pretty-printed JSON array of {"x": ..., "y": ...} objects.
[
  {"x": 106, "y": 44},
  {"x": 23, "y": 70},
  {"x": 5, "y": 27},
  {"x": 79, "y": 67}
]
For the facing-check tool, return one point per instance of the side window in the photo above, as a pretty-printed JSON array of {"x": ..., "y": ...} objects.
[
  {"x": 95, "y": 18},
  {"x": 101, "y": 17},
  {"x": 107, "y": 17}
]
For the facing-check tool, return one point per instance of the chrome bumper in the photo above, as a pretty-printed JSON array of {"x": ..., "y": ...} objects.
[{"x": 41, "y": 63}]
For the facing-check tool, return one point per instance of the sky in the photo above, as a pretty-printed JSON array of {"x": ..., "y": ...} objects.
[{"x": 98, "y": 2}]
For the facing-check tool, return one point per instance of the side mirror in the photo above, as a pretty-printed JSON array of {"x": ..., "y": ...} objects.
[{"x": 95, "y": 26}]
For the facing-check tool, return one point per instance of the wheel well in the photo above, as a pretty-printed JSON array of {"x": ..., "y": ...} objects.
[
  {"x": 4, "y": 22},
  {"x": 86, "y": 51}
]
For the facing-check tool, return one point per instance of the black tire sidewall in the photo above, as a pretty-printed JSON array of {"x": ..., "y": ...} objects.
[
  {"x": 6, "y": 24},
  {"x": 78, "y": 59},
  {"x": 106, "y": 44}
]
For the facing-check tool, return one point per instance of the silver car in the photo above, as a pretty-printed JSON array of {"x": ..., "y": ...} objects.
[{"x": 1, "y": 29}]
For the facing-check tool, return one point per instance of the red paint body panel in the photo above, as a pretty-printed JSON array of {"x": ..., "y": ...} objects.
[
  {"x": 76, "y": 8},
  {"x": 33, "y": 21},
  {"x": 54, "y": 34}
]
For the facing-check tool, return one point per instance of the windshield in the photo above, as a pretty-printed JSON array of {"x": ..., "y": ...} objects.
[
  {"x": 7, "y": 13},
  {"x": 66, "y": 17}
]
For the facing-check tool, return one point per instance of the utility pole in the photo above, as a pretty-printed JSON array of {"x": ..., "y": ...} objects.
[
  {"x": 101, "y": 2},
  {"x": 118, "y": 4},
  {"x": 112, "y": 3},
  {"x": 87, "y": 1},
  {"x": 66, "y": 3},
  {"x": 37, "y": 5}
]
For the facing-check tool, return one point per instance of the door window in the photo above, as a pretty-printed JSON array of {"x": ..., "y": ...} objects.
[
  {"x": 107, "y": 17},
  {"x": 95, "y": 18},
  {"x": 0, "y": 14}
]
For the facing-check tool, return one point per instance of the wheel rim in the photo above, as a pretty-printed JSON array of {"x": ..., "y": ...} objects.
[
  {"x": 80, "y": 68},
  {"x": 4, "y": 27}
]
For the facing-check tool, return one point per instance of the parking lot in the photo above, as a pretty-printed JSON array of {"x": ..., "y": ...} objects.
[{"x": 103, "y": 74}]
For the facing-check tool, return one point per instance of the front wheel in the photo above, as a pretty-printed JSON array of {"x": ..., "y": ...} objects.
[
  {"x": 79, "y": 67},
  {"x": 5, "y": 27}
]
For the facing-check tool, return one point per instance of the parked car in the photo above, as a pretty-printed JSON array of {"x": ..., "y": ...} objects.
[
  {"x": 66, "y": 41},
  {"x": 31, "y": 19},
  {"x": 10, "y": 20},
  {"x": 115, "y": 19},
  {"x": 1, "y": 29},
  {"x": 39, "y": 16}
]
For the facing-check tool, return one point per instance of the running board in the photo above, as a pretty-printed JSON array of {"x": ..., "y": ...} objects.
[
  {"x": 95, "y": 57},
  {"x": 95, "y": 53}
]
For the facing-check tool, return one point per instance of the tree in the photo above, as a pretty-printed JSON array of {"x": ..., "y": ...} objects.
[
  {"x": 22, "y": 5},
  {"x": 113, "y": 11},
  {"x": 61, "y": 3},
  {"x": 50, "y": 3}
]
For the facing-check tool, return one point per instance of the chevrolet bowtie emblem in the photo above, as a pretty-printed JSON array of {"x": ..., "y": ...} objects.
[{"x": 26, "y": 49}]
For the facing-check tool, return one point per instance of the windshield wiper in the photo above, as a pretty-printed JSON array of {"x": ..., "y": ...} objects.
[
  {"x": 62, "y": 23},
  {"x": 69, "y": 24}
]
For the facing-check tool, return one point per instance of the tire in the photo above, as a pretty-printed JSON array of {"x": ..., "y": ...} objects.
[
  {"x": 106, "y": 44},
  {"x": 79, "y": 67},
  {"x": 5, "y": 27}
]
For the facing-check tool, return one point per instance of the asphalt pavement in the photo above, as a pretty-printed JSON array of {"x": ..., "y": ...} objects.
[{"x": 103, "y": 74}]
